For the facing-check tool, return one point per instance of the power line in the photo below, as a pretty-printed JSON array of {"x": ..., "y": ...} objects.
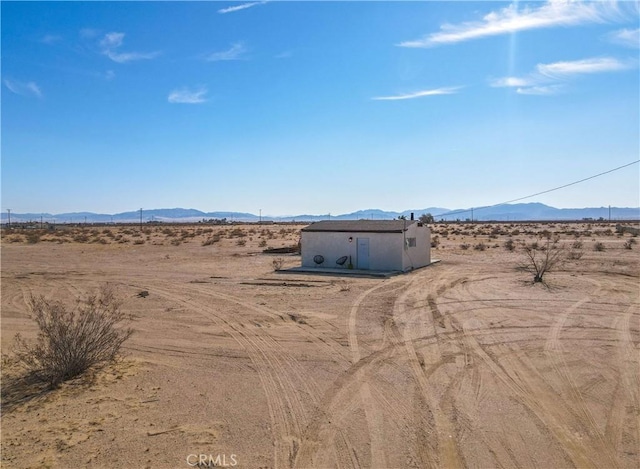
[{"x": 542, "y": 192}]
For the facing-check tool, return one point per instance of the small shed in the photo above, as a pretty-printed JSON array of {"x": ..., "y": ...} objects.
[{"x": 385, "y": 245}]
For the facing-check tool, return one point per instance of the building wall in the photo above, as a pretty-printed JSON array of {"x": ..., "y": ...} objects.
[
  {"x": 385, "y": 249},
  {"x": 419, "y": 255}
]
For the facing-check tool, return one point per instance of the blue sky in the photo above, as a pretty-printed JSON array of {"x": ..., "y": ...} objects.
[{"x": 317, "y": 107}]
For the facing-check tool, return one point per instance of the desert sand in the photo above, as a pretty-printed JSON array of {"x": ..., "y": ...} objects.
[{"x": 465, "y": 363}]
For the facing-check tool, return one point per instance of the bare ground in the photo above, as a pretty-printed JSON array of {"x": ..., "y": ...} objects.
[{"x": 464, "y": 363}]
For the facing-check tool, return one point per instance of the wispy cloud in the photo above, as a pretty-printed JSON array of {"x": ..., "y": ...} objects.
[
  {"x": 110, "y": 44},
  {"x": 28, "y": 88},
  {"x": 187, "y": 96},
  {"x": 543, "y": 81},
  {"x": 50, "y": 39},
  {"x": 541, "y": 90},
  {"x": 418, "y": 94},
  {"x": 89, "y": 33},
  {"x": 512, "y": 19},
  {"x": 625, "y": 37},
  {"x": 581, "y": 67},
  {"x": 235, "y": 52},
  {"x": 243, "y": 6},
  {"x": 510, "y": 82},
  {"x": 284, "y": 55}
]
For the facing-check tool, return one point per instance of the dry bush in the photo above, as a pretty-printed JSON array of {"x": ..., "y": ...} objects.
[
  {"x": 81, "y": 238},
  {"x": 212, "y": 240},
  {"x": 629, "y": 243},
  {"x": 241, "y": 242},
  {"x": 464, "y": 246},
  {"x": 509, "y": 245},
  {"x": 263, "y": 243},
  {"x": 277, "y": 263},
  {"x": 70, "y": 341},
  {"x": 480, "y": 247},
  {"x": 33, "y": 237},
  {"x": 538, "y": 261},
  {"x": 599, "y": 246}
]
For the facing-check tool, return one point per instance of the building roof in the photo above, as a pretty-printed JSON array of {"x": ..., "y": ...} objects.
[{"x": 360, "y": 226}]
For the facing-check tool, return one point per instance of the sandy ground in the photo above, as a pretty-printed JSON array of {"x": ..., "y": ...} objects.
[{"x": 464, "y": 363}]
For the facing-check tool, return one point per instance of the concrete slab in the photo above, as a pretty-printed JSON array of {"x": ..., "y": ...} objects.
[{"x": 349, "y": 272}]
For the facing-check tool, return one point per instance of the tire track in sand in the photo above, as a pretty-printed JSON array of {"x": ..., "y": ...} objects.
[
  {"x": 628, "y": 387},
  {"x": 555, "y": 352},
  {"x": 340, "y": 400},
  {"x": 287, "y": 412},
  {"x": 423, "y": 321}
]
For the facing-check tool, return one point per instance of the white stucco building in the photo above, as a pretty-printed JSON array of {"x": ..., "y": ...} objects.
[{"x": 386, "y": 245}]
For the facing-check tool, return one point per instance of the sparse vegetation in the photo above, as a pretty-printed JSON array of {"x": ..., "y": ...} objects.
[
  {"x": 598, "y": 246},
  {"x": 539, "y": 261},
  {"x": 277, "y": 263},
  {"x": 70, "y": 341}
]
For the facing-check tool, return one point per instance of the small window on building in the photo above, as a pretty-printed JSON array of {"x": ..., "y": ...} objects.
[{"x": 411, "y": 242}]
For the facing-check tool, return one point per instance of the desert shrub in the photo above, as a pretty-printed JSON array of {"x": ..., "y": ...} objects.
[
  {"x": 33, "y": 237},
  {"x": 211, "y": 240},
  {"x": 263, "y": 243},
  {"x": 139, "y": 241},
  {"x": 465, "y": 246},
  {"x": 629, "y": 243},
  {"x": 480, "y": 247},
  {"x": 277, "y": 263},
  {"x": 435, "y": 241},
  {"x": 575, "y": 254},
  {"x": 237, "y": 233},
  {"x": 599, "y": 246},
  {"x": 70, "y": 341},
  {"x": 509, "y": 245},
  {"x": 576, "y": 245},
  {"x": 241, "y": 242},
  {"x": 81, "y": 238},
  {"x": 176, "y": 242},
  {"x": 538, "y": 261}
]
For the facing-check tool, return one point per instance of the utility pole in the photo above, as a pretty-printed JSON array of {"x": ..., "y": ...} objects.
[
  {"x": 609, "y": 213},
  {"x": 260, "y": 215},
  {"x": 41, "y": 223},
  {"x": 9, "y": 213},
  {"x": 141, "y": 219},
  {"x": 471, "y": 214}
]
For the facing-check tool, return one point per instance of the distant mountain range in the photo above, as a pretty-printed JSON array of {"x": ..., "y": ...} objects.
[{"x": 506, "y": 212}]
